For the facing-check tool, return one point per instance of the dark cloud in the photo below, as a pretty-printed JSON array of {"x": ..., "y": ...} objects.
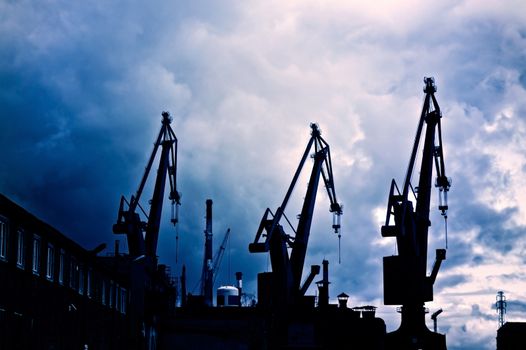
[
  {"x": 450, "y": 281},
  {"x": 515, "y": 306},
  {"x": 522, "y": 79},
  {"x": 475, "y": 312}
]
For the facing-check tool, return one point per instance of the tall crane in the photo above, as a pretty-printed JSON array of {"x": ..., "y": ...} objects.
[
  {"x": 150, "y": 287},
  {"x": 405, "y": 275},
  {"x": 287, "y": 271},
  {"x": 143, "y": 235}
]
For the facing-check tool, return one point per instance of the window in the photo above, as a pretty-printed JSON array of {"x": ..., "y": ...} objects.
[
  {"x": 118, "y": 298},
  {"x": 110, "y": 303},
  {"x": 36, "y": 255},
  {"x": 103, "y": 292},
  {"x": 3, "y": 238},
  {"x": 20, "y": 250},
  {"x": 81, "y": 280},
  {"x": 89, "y": 292},
  {"x": 73, "y": 273},
  {"x": 50, "y": 266},
  {"x": 123, "y": 300},
  {"x": 61, "y": 262}
]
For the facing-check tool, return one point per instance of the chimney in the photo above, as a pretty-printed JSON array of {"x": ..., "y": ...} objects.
[{"x": 239, "y": 276}]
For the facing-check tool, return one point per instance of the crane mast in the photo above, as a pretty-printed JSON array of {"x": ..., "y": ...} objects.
[
  {"x": 143, "y": 236},
  {"x": 287, "y": 271},
  {"x": 405, "y": 275}
]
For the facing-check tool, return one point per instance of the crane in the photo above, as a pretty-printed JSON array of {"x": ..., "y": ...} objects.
[
  {"x": 405, "y": 275},
  {"x": 150, "y": 289},
  {"x": 213, "y": 265},
  {"x": 287, "y": 271},
  {"x": 219, "y": 256},
  {"x": 143, "y": 235}
]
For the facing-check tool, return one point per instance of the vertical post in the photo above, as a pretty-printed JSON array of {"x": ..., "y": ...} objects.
[
  {"x": 208, "y": 263},
  {"x": 434, "y": 318},
  {"x": 183, "y": 286}
]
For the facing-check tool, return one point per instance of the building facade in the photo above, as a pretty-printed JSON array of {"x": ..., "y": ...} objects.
[{"x": 55, "y": 294}]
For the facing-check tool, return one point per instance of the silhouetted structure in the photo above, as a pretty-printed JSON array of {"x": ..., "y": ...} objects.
[
  {"x": 405, "y": 280},
  {"x": 284, "y": 317},
  {"x": 127, "y": 301},
  {"x": 511, "y": 336}
]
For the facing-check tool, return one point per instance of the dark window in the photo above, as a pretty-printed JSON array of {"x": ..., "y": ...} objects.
[
  {"x": 61, "y": 265},
  {"x": 20, "y": 249},
  {"x": 3, "y": 238},
  {"x": 50, "y": 266},
  {"x": 81, "y": 280},
  {"x": 73, "y": 273},
  {"x": 36, "y": 254}
]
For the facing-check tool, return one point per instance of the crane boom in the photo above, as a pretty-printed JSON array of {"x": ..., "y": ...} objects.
[{"x": 219, "y": 256}]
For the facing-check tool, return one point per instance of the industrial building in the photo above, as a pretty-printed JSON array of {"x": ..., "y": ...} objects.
[
  {"x": 511, "y": 336},
  {"x": 56, "y": 294}
]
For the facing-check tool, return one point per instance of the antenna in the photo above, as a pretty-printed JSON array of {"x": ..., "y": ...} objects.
[{"x": 501, "y": 307}]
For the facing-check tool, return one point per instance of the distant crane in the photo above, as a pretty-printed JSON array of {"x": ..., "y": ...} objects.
[
  {"x": 219, "y": 256},
  {"x": 405, "y": 279},
  {"x": 287, "y": 271}
]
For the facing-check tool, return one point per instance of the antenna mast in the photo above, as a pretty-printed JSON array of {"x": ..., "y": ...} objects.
[{"x": 501, "y": 307}]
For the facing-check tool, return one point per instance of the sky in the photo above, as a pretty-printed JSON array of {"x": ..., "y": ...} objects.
[{"x": 83, "y": 86}]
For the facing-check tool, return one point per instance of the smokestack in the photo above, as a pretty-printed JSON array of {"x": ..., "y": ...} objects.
[
  {"x": 209, "y": 216},
  {"x": 323, "y": 286},
  {"x": 208, "y": 272},
  {"x": 239, "y": 276}
]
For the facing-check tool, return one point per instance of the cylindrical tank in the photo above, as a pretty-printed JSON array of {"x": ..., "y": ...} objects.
[{"x": 227, "y": 296}]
